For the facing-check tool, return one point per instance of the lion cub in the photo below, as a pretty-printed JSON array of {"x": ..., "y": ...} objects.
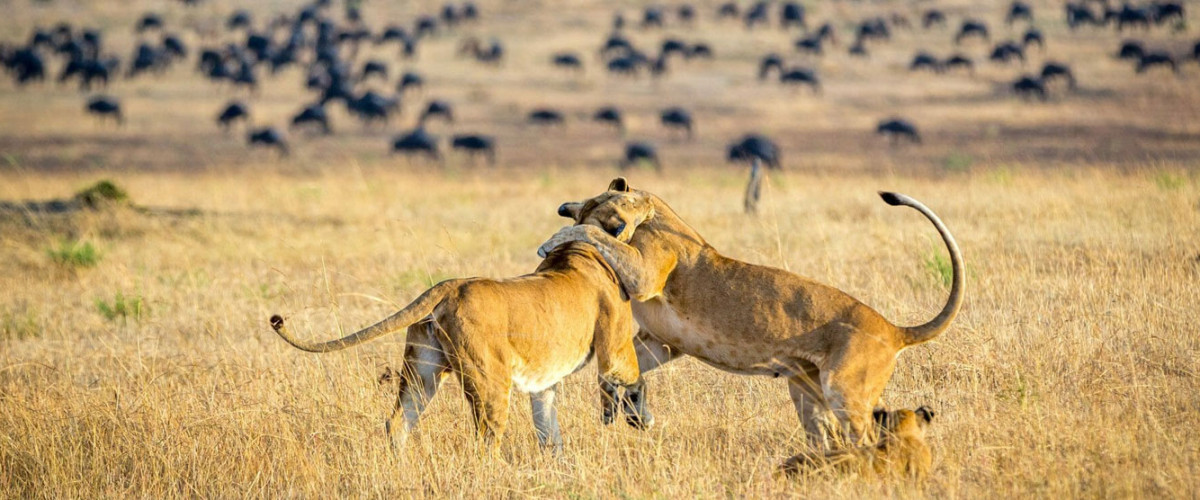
[
  {"x": 525, "y": 333},
  {"x": 901, "y": 451}
]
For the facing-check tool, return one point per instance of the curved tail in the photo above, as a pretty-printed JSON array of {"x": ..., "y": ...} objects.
[
  {"x": 412, "y": 313},
  {"x": 939, "y": 324}
]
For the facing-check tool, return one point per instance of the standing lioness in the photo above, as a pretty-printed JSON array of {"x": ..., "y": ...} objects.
[
  {"x": 836, "y": 352},
  {"x": 528, "y": 332}
]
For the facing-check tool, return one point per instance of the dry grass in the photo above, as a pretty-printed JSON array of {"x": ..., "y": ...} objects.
[{"x": 1072, "y": 370}]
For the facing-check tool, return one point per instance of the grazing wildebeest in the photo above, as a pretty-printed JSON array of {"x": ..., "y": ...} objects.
[
  {"x": 1019, "y": 10},
  {"x": 410, "y": 80},
  {"x": 372, "y": 107},
  {"x": 757, "y": 14},
  {"x": 417, "y": 141},
  {"x": 673, "y": 45},
  {"x": 925, "y": 61},
  {"x": 1166, "y": 11},
  {"x": 626, "y": 65},
  {"x": 149, "y": 21},
  {"x": 1153, "y": 59},
  {"x": 491, "y": 53},
  {"x": 699, "y": 50},
  {"x": 610, "y": 115},
  {"x": 898, "y": 128},
  {"x": 239, "y": 19},
  {"x": 801, "y": 76},
  {"x": 792, "y": 14},
  {"x": 234, "y": 111},
  {"x": 476, "y": 145},
  {"x": 104, "y": 106},
  {"x": 89, "y": 70},
  {"x": 959, "y": 61},
  {"x": 728, "y": 10},
  {"x": 425, "y": 26},
  {"x": 312, "y": 115},
  {"x": 1054, "y": 70},
  {"x": 546, "y": 117},
  {"x": 1028, "y": 87},
  {"x": 374, "y": 67},
  {"x": 636, "y": 152},
  {"x": 27, "y": 65},
  {"x": 769, "y": 62},
  {"x": 174, "y": 47},
  {"x": 1131, "y": 49},
  {"x": 568, "y": 60},
  {"x": 755, "y": 146},
  {"x": 677, "y": 118},
  {"x": 652, "y": 17},
  {"x": 1007, "y": 52},
  {"x": 1133, "y": 17},
  {"x": 972, "y": 27},
  {"x": 686, "y": 13},
  {"x": 1079, "y": 14},
  {"x": 809, "y": 45},
  {"x": 437, "y": 107},
  {"x": 873, "y": 29},
  {"x": 146, "y": 58},
  {"x": 858, "y": 49},
  {"x": 268, "y": 137},
  {"x": 1033, "y": 36},
  {"x": 933, "y": 17}
]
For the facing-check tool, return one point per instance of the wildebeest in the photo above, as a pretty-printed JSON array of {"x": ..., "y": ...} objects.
[
  {"x": 972, "y": 27},
  {"x": 239, "y": 19},
  {"x": 149, "y": 21},
  {"x": 1019, "y": 10},
  {"x": 636, "y": 152},
  {"x": 757, "y": 14},
  {"x": 801, "y": 76},
  {"x": 1152, "y": 59},
  {"x": 417, "y": 141},
  {"x": 792, "y": 14},
  {"x": 1029, "y": 86},
  {"x": 652, "y": 17},
  {"x": 677, "y": 118},
  {"x": 546, "y": 117},
  {"x": 610, "y": 115},
  {"x": 769, "y": 62},
  {"x": 686, "y": 13},
  {"x": 699, "y": 50},
  {"x": 476, "y": 145},
  {"x": 933, "y": 17},
  {"x": 925, "y": 61},
  {"x": 1131, "y": 49},
  {"x": 438, "y": 108},
  {"x": 1033, "y": 36},
  {"x": 312, "y": 115},
  {"x": 957, "y": 61},
  {"x": 410, "y": 80},
  {"x": 234, "y": 111},
  {"x": 268, "y": 137},
  {"x": 898, "y": 128},
  {"x": 728, "y": 10},
  {"x": 809, "y": 45},
  {"x": 89, "y": 70},
  {"x": 374, "y": 67},
  {"x": 754, "y": 146},
  {"x": 1166, "y": 11},
  {"x": 104, "y": 106},
  {"x": 1006, "y": 52},
  {"x": 567, "y": 60},
  {"x": 1054, "y": 70},
  {"x": 490, "y": 53},
  {"x": 1133, "y": 17},
  {"x": 857, "y": 49},
  {"x": 1079, "y": 14},
  {"x": 371, "y": 107}
]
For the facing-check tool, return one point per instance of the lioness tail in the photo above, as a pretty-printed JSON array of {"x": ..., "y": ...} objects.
[{"x": 939, "y": 324}]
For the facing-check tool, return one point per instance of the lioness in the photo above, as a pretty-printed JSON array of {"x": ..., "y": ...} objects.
[
  {"x": 689, "y": 299},
  {"x": 901, "y": 451},
  {"x": 528, "y": 332}
]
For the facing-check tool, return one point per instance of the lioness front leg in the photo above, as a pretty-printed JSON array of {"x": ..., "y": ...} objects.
[
  {"x": 545, "y": 419},
  {"x": 640, "y": 277}
]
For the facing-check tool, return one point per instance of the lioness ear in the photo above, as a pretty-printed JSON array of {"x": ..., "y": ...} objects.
[
  {"x": 925, "y": 413},
  {"x": 570, "y": 209},
  {"x": 619, "y": 184}
]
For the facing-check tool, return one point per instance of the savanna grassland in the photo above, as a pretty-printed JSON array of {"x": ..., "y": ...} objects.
[{"x": 136, "y": 359}]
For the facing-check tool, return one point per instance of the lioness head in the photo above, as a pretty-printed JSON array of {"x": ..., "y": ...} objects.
[{"x": 617, "y": 211}]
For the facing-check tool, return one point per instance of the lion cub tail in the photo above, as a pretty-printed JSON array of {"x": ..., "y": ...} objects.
[
  {"x": 939, "y": 324},
  {"x": 419, "y": 308}
]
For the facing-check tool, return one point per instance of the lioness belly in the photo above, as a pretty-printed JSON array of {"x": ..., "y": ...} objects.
[
  {"x": 539, "y": 375},
  {"x": 694, "y": 338}
]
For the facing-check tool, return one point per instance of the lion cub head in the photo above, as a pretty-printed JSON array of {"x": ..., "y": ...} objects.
[
  {"x": 617, "y": 211},
  {"x": 902, "y": 449}
]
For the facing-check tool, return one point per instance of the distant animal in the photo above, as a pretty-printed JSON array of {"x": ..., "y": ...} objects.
[
  {"x": 677, "y": 118},
  {"x": 728, "y": 10},
  {"x": 770, "y": 62},
  {"x": 476, "y": 145},
  {"x": 699, "y": 50},
  {"x": 652, "y": 17},
  {"x": 1154, "y": 59},
  {"x": 371, "y": 107},
  {"x": 809, "y": 45},
  {"x": 1033, "y": 36},
  {"x": 104, "y": 106},
  {"x": 611, "y": 116},
  {"x": 970, "y": 28},
  {"x": 686, "y": 13},
  {"x": 374, "y": 67},
  {"x": 1053, "y": 70},
  {"x": 792, "y": 14},
  {"x": 1132, "y": 17},
  {"x": 801, "y": 76},
  {"x": 148, "y": 21},
  {"x": 925, "y": 61},
  {"x": 637, "y": 152},
  {"x": 959, "y": 61},
  {"x": 234, "y": 111},
  {"x": 1131, "y": 49},
  {"x": 902, "y": 450},
  {"x": 312, "y": 115},
  {"x": 1029, "y": 87},
  {"x": 410, "y": 80},
  {"x": 754, "y": 146},
  {"x": 417, "y": 141},
  {"x": 1079, "y": 14},
  {"x": 546, "y": 117},
  {"x": 1162, "y": 12},
  {"x": 1019, "y": 11},
  {"x": 933, "y": 17},
  {"x": 268, "y": 137},
  {"x": 1006, "y": 52},
  {"x": 438, "y": 108},
  {"x": 898, "y": 128},
  {"x": 567, "y": 60},
  {"x": 240, "y": 19},
  {"x": 491, "y": 53}
]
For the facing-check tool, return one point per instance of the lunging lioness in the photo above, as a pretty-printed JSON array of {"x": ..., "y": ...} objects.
[
  {"x": 526, "y": 332},
  {"x": 837, "y": 353},
  {"x": 902, "y": 449}
]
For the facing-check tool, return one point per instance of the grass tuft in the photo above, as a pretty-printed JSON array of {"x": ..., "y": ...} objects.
[
  {"x": 122, "y": 308},
  {"x": 74, "y": 255}
]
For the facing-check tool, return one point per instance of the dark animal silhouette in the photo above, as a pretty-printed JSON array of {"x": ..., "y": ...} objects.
[
  {"x": 1154, "y": 59},
  {"x": 410, "y": 80},
  {"x": 372, "y": 107},
  {"x": 1033, "y": 36},
  {"x": 104, "y": 106},
  {"x": 1055, "y": 70},
  {"x": 1079, "y": 14},
  {"x": 801, "y": 76},
  {"x": 971, "y": 27},
  {"x": 1028, "y": 87},
  {"x": 233, "y": 112},
  {"x": 438, "y": 108},
  {"x": 636, "y": 152},
  {"x": 728, "y": 10},
  {"x": 417, "y": 142},
  {"x": 268, "y": 137},
  {"x": 1132, "y": 17},
  {"x": 240, "y": 19},
  {"x": 959, "y": 61},
  {"x": 568, "y": 60},
  {"x": 312, "y": 115},
  {"x": 925, "y": 61},
  {"x": 1131, "y": 49},
  {"x": 809, "y": 45},
  {"x": 1007, "y": 52},
  {"x": 374, "y": 67},
  {"x": 770, "y": 62},
  {"x": 677, "y": 118},
  {"x": 1019, "y": 11},
  {"x": 898, "y": 128},
  {"x": 1162, "y": 12},
  {"x": 652, "y": 17},
  {"x": 933, "y": 17},
  {"x": 546, "y": 117},
  {"x": 610, "y": 116},
  {"x": 476, "y": 145},
  {"x": 792, "y": 14},
  {"x": 754, "y": 146},
  {"x": 147, "y": 22}
]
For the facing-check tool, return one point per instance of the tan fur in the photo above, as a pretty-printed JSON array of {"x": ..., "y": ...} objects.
[
  {"x": 836, "y": 352},
  {"x": 526, "y": 332},
  {"x": 902, "y": 450}
]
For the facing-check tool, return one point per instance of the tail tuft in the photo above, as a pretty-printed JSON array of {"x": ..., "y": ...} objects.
[
  {"x": 276, "y": 322},
  {"x": 890, "y": 198}
]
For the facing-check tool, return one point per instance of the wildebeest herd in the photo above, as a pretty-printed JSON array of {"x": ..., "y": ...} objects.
[{"x": 328, "y": 44}]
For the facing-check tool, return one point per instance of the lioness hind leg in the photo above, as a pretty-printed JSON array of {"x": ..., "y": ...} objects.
[
  {"x": 807, "y": 397},
  {"x": 425, "y": 368},
  {"x": 489, "y": 404},
  {"x": 545, "y": 419}
]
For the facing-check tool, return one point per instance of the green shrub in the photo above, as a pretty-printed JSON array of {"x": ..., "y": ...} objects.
[
  {"x": 122, "y": 308},
  {"x": 74, "y": 255}
]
